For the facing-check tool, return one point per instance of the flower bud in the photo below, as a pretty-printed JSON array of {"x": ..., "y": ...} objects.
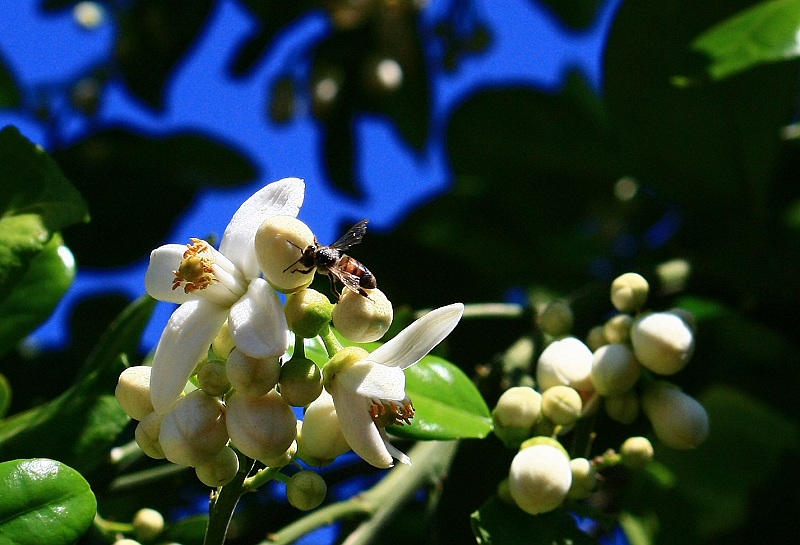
[
  {"x": 614, "y": 369},
  {"x": 556, "y": 319},
  {"x": 253, "y": 376},
  {"x": 539, "y": 478},
  {"x": 193, "y": 431},
  {"x": 584, "y": 479},
  {"x": 516, "y": 413},
  {"x": 565, "y": 362},
  {"x": 636, "y": 452},
  {"x": 126, "y": 541},
  {"x": 362, "y": 319},
  {"x": 146, "y": 435},
  {"x": 220, "y": 470},
  {"x": 662, "y": 342},
  {"x": 223, "y": 344},
  {"x": 147, "y": 524},
  {"x": 504, "y": 494},
  {"x": 595, "y": 338},
  {"x": 679, "y": 420},
  {"x": 623, "y": 408},
  {"x": 562, "y": 405},
  {"x": 306, "y": 490},
  {"x": 212, "y": 378},
  {"x": 307, "y": 312},
  {"x": 321, "y": 439},
  {"x": 629, "y": 292},
  {"x": 260, "y": 427},
  {"x": 286, "y": 457},
  {"x": 280, "y": 242},
  {"x": 133, "y": 391},
  {"x": 618, "y": 328},
  {"x": 544, "y": 440},
  {"x": 300, "y": 381}
]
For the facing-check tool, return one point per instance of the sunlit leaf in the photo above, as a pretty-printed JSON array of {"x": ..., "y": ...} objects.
[
  {"x": 497, "y": 523},
  {"x": 44, "y": 503}
]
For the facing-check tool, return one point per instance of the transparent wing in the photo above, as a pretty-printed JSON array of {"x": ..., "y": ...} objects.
[
  {"x": 353, "y": 236},
  {"x": 348, "y": 279}
]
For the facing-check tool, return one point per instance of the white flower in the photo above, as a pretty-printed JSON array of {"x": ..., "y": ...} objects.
[
  {"x": 369, "y": 389},
  {"x": 212, "y": 286}
]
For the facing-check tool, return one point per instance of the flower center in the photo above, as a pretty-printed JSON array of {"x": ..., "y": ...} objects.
[
  {"x": 389, "y": 413},
  {"x": 207, "y": 272}
]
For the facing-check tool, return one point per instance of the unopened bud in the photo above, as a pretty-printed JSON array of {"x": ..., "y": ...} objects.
[
  {"x": 212, "y": 378},
  {"x": 146, "y": 435},
  {"x": 565, "y": 362},
  {"x": 595, "y": 338},
  {"x": 307, "y": 312},
  {"x": 562, "y": 405},
  {"x": 147, "y": 524},
  {"x": 584, "y": 479},
  {"x": 220, "y": 470},
  {"x": 662, "y": 342},
  {"x": 516, "y": 413},
  {"x": 133, "y": 391},
  {"x": 306, "y": 490},
  {"x": 321, "y": 439},
  {"x": 678, "y": 419},
  {"x": 636, "y": 452},
  {"x": 362, "y": 319},
  {"x": 260, "y": 427},
  {"x": 618, "y": 328},
  {"x": 539, "y": 478},
  {"x": 280, "y": 242},
  {"x": 253, "y": 376},
  {"x": 223, "y": 343},
  {"x": 624, "y": 408},
  {"x": 193, "y": 431},
  {"x": 629, "y": 292},
  {"x": 284, "y": 458},
  {"x": 614, "y": 369},
  {"x": 556, "y": 319},
  {"x": 300, "y": 381}
]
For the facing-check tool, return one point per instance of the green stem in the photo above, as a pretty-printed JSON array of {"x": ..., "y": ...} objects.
[
  {"x": 488, "y": 310},
  {"x": 145, "y": 477},
  {"x": 111, "y": 530},
  {"x": 299, "y": 347},
  {"x": 262, "y": 477},
  {"x": 332, "y": 344},
  {"x": 224, "y": 502},
  {"x": 431, "y": 461}
]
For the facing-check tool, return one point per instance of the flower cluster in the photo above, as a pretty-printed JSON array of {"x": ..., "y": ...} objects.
[
  {"x": 221, "y": 380},
  {"x": 620, "y": 366}
]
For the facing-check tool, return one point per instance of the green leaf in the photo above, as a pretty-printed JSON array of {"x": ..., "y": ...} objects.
[
  {"x": 80, "y": 426},
  {"x": 5, "y": 395},
  {"x": 446, "y": 401},
  {"x": 764, "y": 33},
  {"x": 44, "y": 503},
  {"x": 497, "y": 523},
  {"x": 189, "y": 531},
  {"x": 9, "y": 91},
  {"x": 36, "y": 292},
  {"x": 577, "y": 14}
]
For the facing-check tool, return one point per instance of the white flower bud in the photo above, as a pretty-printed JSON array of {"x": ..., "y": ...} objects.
[
  {"x": 562, "y": 405},
  {"x": 516, "y": 413},
  {"x": 253, "y": 376},
  {"x": 584, "y": 479},
  {"x": 212, "y": 378},
  {"x": 260, "y": 427},
  {"x": 556, "y": 319},
  {"x": 679, "y": 420},
  {"x": 614, "y": 369},
  {"x": 280, "y": 242},
  {"x": 220, "y": 470},
  {"x": 662, "y": 342},
  {"x": 618, "y": 328},
  {"x": 133, "y": 391},
  {"x": 539, "y": 478},
  {"x": 362, "y": 319},
  {"x": 629, "y": 292},
  {"x": 146, "y": 435},
  {"x": 126, "y": 541},
  {"x": 307, "y": 312},
  {"x": 306, "y": 490},
  {"x": 565, "y": 362},
  {"x": 193, "y": 431},
  {"x": 321, "y": 439},
  {"x": 624, "y": 408},
  {"x": 636, "y": 452},
  {"x": 147, "y": 524}
]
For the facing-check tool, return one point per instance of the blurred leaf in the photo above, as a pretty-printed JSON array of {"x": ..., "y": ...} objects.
[
  {"x": 36, "y": 292},
  {"x": 80, "y": 426},
  {"x": 153, "y": 37},
  {"x": 5, "y": 395},
  {"x": 766, "y": 32},
  {"x": 189, "y": 531},
  {"x": 9, "y": 90},
  {"x": 447, "y": 403},
  {"x": 44, "y": 503},
  {"x": 497, "y": 523},
  {"x": 137, "y": 184},
  {"x": 577, "y": 14}
]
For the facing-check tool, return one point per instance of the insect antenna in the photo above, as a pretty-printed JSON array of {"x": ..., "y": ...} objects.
[{"x": 299, "y": 259}]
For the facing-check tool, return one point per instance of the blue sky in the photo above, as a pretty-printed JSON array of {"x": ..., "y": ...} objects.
[{"x": 46, "y": 51}]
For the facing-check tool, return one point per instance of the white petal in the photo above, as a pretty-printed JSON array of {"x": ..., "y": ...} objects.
[
  {"x": 281, "y": 198},
  {"x": 419, "y": 338},
  {"x": 258, "y": 323},
  {"x": 358, "y": 428},
  {"x": 400, "y": 456},
  {"x": 373, "y": 380},
  {"x": 164, "y": 260},
  {"x": 184, "y": 342}
]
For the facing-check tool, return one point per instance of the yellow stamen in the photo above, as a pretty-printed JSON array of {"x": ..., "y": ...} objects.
[
  {"x": 195, "y": 270},
  {"x": 391, "y": 413}
]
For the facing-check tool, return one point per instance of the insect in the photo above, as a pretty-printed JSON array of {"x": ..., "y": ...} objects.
[{"x": 332, "y": 261}]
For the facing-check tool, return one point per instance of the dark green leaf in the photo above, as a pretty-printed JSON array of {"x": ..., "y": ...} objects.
[
  {"x": 764, "y": 33},
  {"x": 447, "y": 403},
  {"x": 189, "y": 531},
  {"x": 44, "y": 503},
  {"x": 153, "y": 37},
  {"x": 574, "y": 13},
  {"x": 36, "y": 292},
  {"x": 80, "y": 426},
  {"x": 497, "y": 523},
  {"x": 9, "y": 91},
  {"x": 5, "y": 395}
]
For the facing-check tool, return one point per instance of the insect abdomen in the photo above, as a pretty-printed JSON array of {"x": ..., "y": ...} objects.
[{"x": 356, "y": 268}]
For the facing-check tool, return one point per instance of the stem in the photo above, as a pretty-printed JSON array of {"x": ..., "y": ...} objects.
[
  {"x": 332, "y": 344},
  {"x": 433, "y": 459},
  {"x": 261, "y": 477},
  {"x": 487, "y": 310},
  {"x": 111, "y": 530},
  {"x": 145, "y": 477},
  {"x": 224, "y": 502}
]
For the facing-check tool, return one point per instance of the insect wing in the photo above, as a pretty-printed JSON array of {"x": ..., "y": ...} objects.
[
  {"x": 348, "y": 279},
  {"x": 353, "y": 236}
]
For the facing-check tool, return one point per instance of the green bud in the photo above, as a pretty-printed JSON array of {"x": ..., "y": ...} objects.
[
  {"x": 636, "y": 452},
  {"x": 300, "y": 381},
  {"x": 629, "y": 292},
  {"x": 618, "y": 328},
  {"x": 220, "y": 470},
  {"x": 557, "y": 319},
  {"x": 307, "y": 312},
  {"x": 253, "y": 376},
  {"x": 223, "y": 343},
  {"x": 212, "y": 378},
  {"x": 623, "y": 408},
  {"x": 544, "y": 440},
  {"x": 147, "y": 524},
  {"x": 306, "y": 490},
  {"x": 584, "y": 479},
  {"x": 562, "y": 405},
  {"x": 595, "y": 338}
]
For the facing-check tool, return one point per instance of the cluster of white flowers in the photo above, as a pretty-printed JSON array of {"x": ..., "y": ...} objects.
[
  {"x": 220, "y": 379},
  {"x": 618, "y": 366}
]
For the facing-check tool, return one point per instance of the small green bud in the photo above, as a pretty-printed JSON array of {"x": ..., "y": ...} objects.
[
  {"x": 595, "y": 338},
  {"x": 562, "y": 405},
  {"x": 636, "y": 452},
  {"x": 280, "y": 242},
  {"x": 306, "y": 490},
  {"x": 557, "y": 319},
  {"x": 212, "y": 378},
  {"x": 307, "y": 312},
  {"x": 662, "y": 342},
  {"x": 504, "y": 493},
  {"x": 623, "y": 408},
  {"x": 544, "y": 440},
  {"x": 220, "y": 470},
  {"x": 300, "y": 381},
  {"x": 584, "y": 479},
  {"x": 253, "y": 376},
  {"x": 362, "y": 319},
  {"x": 614, "y": 369},
  {"x": 147, "y": 524},
  {"x": 618, "y": 328},
  {"x": 629, "y": 292},
  {"x": 133, "y": 391},
  {"x": 516, "y": 413},
  {"x": 673, "y": 275}
]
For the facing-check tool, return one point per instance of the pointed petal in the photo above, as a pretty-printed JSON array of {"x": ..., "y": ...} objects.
[
  {"x": 358, "y": 428},
  {"x": 419, "y": 338},
  {"x": 258, "y": 323},
  {"x": 373, "y": 380},
  {"x": 184, "y": 342},
  {"x": 164, "y": 260},
  {"x": 396, "y": 454},
  {"x": 281, "y": 198}
]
